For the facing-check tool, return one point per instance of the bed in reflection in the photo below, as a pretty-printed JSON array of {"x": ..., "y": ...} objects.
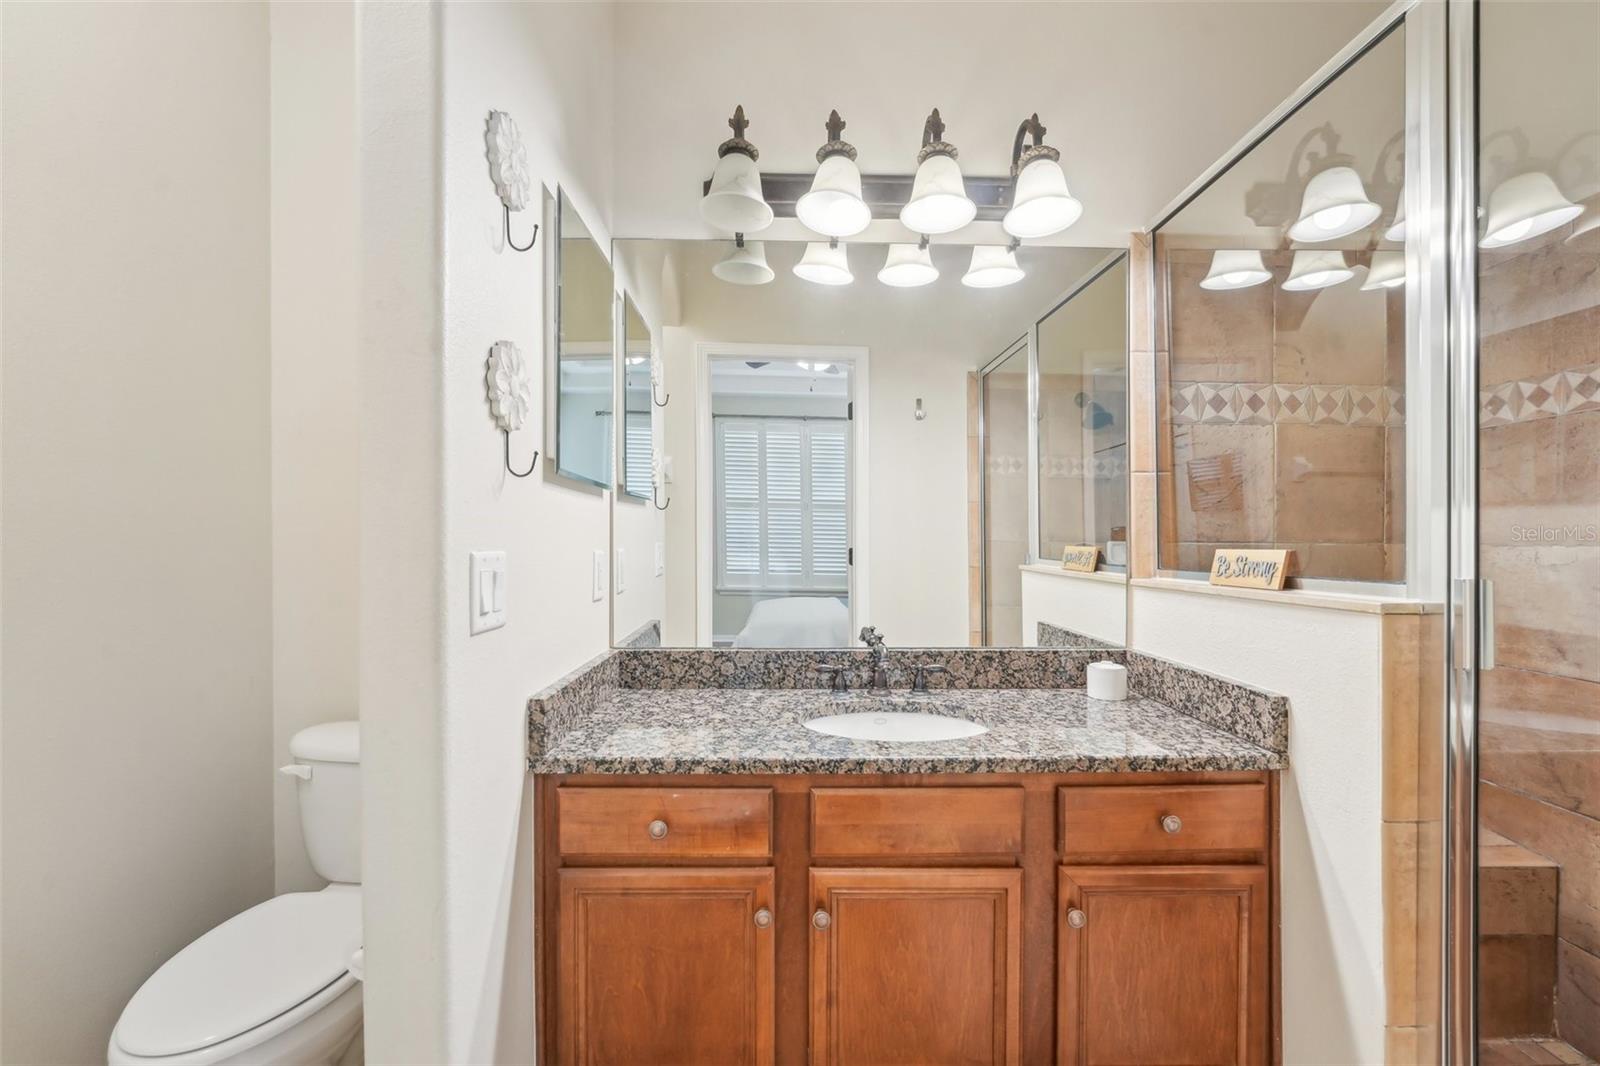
[{"x": 796, "y": 622}]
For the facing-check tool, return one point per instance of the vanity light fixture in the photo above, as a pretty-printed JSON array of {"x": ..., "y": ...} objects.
[
  {"x": 993, "y": 266},
  {"x": 908, "y": 266},
  {"x": 1397, "y": 229},
  {"x": 834, "y": 207},
  {"x": 1335, "y": 205},
  {"x": 1388, "y": 270},
  {"x": 939, "y": 202},
  {"x": 1590, "y": 220},
  {"x": 734, "y": 201},
  {"x": 1040, "y": 202},
  {"x": 1524, "y": 207},
  {"x": 1235, "y": 270},
  {"x": 1314, "y": 269},
  {"x": 825, "y": 263},
  {"x": 746, "y": 264}
]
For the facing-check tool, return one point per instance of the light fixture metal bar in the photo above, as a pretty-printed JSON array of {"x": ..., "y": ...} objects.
[{"x": 885, "y": 194}]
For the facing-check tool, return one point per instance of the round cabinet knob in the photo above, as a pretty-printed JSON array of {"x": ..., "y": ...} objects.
[
  {"x": 821, "y": 920},
  {"x": 763, "y": 918},
  {"x": 1077, "y": 919},
  {"x": 1171, "y": 823},
  {"x": 657, "y": 829}
]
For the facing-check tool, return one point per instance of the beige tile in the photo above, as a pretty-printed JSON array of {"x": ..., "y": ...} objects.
[
  {"x": 1578, "y": 998},
  {"x": 1334, "y": 336},
  {"x": 1218, "y": 336},
  {"x": 1344, "y": 562},
  {"x": 1519, "y": 477},
  {"x": 1142, "y": 525},
  {"x": 1536, "y": 285},
  {"x": 1516, "y": 986},
  {"x": 1401, "y": 687},
  {"x": 1330, "y": 483},
  {"x": 1395, "y": 339},
  {"x": 1547, "y": 607},
  {"x": 1144, "y": 414},
  {"x": 1571, "y": 840},
  {"x": 1540, "y": 735},
  {"x": 1430, "y": 717},
  {"x": 1411, "y": 1045},
  {"x": 1140, "y": 293},
  {"x": 1430, "y": 923},
  {"x": 1223, "y": 483},
  {"x": 1400, "y": 922},
  {"x": 1394, "y": 490},
  {"x": 1580, "y": 467},
  {"x": 1516, "y": 893}
]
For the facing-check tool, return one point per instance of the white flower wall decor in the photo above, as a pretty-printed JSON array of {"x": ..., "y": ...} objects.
[
  {"x": 510, "y": 389},
  {"x": 508, "y": 161},
  {"x": 508, "y": 167},
  {"x": 510, "y": 396}
]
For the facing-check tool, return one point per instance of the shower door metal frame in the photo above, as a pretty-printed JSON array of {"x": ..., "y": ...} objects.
[{"x": 1023, "y": 342}]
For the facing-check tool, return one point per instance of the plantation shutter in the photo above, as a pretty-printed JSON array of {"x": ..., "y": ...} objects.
[{"x": 783, "y": 493}]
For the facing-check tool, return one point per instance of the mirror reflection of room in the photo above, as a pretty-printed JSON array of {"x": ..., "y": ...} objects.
[{"x": 839, "y": 456}]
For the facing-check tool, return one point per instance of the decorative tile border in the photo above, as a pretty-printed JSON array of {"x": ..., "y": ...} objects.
[
  {"x": 1264, "y": 404},
  {"x": 1562, "y": 393},
  {"x": 1099, "y": 466},
  {"x": 1248, "y": 713}
]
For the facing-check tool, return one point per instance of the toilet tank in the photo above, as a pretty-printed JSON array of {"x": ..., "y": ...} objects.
[{"x": 327, "y": 766}]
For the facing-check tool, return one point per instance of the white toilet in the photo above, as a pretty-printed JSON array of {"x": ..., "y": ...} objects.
[{"x": 280, "y": 983}]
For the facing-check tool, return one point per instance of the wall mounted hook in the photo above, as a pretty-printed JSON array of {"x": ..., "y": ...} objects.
[
  {"x": 532, "y": 466},
  {"x": 655, "y": 498},
  {"x": 513, "y": 245}
]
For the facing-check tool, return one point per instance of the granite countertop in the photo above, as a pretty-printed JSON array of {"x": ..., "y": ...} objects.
[{"x": 760, "y": 731}]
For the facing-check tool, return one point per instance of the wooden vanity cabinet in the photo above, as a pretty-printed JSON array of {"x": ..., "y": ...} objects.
[{"x": 857, "y": 919}]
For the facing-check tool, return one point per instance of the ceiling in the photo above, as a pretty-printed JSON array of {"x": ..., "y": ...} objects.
[{"x": 1139, "y": 96}]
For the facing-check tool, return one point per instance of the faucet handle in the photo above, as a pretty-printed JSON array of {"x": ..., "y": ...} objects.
[
  {"x": 920, "y": 672},
  {"x": 840, "y": 681},
  {"x": 871, "y": 637}
]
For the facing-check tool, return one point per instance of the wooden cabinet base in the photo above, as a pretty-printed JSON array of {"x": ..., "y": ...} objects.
[{"x": 890, "y": 919}]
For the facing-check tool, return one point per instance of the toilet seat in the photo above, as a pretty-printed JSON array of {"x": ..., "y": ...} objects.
[{"x": 257, "y": 966}]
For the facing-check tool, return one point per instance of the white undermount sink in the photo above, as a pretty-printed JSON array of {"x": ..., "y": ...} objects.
[{"x": 900, "y": 720}]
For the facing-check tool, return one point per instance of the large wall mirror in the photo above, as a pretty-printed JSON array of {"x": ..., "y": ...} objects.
[
  {"x": 832, "y": 456},
  {"x": 584, "y": 357}
]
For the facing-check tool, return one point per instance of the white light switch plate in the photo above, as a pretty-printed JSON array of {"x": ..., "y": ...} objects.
[
  {"x": 598, "y": 593},
  {"x": 486, "y": 596},
  {"x": 622, "y": 571},
  {"x": 661, "y": 558}
]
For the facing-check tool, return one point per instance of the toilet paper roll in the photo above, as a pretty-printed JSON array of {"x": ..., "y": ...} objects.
[{"x": 1108, "y": 681}]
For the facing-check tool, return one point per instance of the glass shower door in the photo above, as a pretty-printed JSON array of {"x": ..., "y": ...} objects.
[
  {"x": 1003, "y": 453},
  {"x": 1538, "y": 520}
]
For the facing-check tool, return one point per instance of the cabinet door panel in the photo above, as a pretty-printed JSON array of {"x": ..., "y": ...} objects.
[
  {"x": 665, "y": 966},
  {"x": 1163, "y": 965},
  {"x": 916, "y": 967}
]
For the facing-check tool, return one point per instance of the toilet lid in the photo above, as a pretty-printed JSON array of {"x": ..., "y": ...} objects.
[{"x": 248, "y": 970}]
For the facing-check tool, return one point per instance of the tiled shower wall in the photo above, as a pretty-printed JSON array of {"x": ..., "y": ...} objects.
[
  {"x": 1539, "y": 527},
  {"x": 1283, "y": 421}
]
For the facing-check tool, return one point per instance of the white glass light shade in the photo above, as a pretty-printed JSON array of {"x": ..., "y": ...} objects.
[
  {"x": 993, "y": 265},
  {"x": 939, "y": 201},
  {"x": 734, "y": 201},
  {"x": 1388, "y": 270},
  {"x": 745, "y": 266},
  {"x": 834, "y": 207},
  {"x": 1525, "y": 206},
  {"x": 1335, "y": 204},
  {"x": 825, "y": 264},
  {"x": 1317, "y": 270},
  {"x": 1041, "y": 204},
  {"x": 1235, "y": 270},
  {"x": 907, "y": 266},
  {"x": 1590, "y": 220},
  {"x": 1397, "y": 229}
]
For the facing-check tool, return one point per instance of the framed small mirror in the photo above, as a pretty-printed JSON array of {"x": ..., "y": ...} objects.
[
  {"x": 637, "y": 437},
  {"x": 584, "y": 301}
]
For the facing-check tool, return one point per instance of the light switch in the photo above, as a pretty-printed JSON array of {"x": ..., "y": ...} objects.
[
  {"x": 598, "y": 593},
  {"x": 487, "y": 592},
  {"x": 622, "y": 571},
  {"x": 661, "y": 558}
]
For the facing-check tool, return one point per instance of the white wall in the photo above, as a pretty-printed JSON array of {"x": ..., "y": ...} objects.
[
  {"x": 137, "y": 552},
  {"x": 315, "y": 377},
  {"x": 1327, "y": 663},
  {"x": 1095, "y": 605}
]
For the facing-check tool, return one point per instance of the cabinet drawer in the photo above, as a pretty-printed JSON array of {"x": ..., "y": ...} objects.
[
  {"x": 664, "y": 824},
  {"x": 1178, "y": 822},
  {"x": 915, "y": 822}
]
